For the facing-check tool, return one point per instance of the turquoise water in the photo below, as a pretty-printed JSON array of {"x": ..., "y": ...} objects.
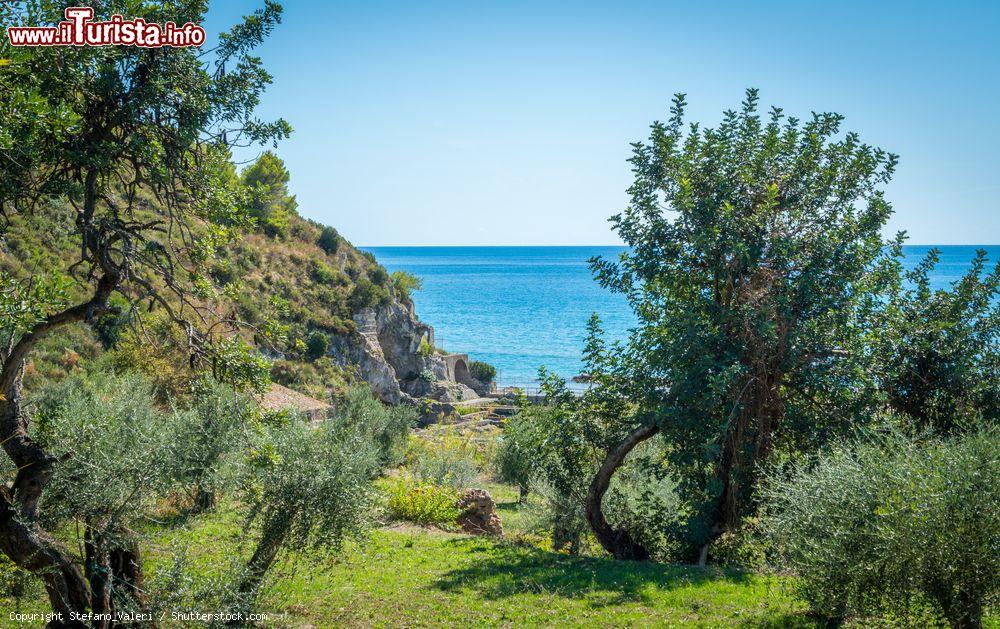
[{"x": 521, "y": 307}]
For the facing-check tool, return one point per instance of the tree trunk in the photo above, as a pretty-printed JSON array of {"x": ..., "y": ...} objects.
[
  {"x": 126, "y": 570},
  {"x": 746, "y": 445},
  {"x": 617, "y": 542},
  {"x": 204, "y": 499},
  {"x": 263, "y": 557},
  {"x": 21, "y": 539},
  {"x": 114, "y": 570},
  {"x": 961, "y": 611},
  {"x": 97, "y": 569}
]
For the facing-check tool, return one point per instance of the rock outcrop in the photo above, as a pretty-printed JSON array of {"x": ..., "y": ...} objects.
[{"x": 385, "y": 350}]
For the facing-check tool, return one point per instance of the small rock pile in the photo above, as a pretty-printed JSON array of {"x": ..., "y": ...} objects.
[{"x": 479, "y": 513}]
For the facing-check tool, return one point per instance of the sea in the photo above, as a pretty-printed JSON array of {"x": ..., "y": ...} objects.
[{"x": 520, "y": 308}]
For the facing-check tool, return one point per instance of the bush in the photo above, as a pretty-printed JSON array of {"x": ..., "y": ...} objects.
[
  {"x": 406, "y": 284},
  {"x": 420, "y": 502},
  {"x": 329, "y": 240},
  {"x": 516, "y": 454},
  {"x": 746, "y": 548},
  {"x": 444, "y": 459},
  {"x": 202, "y": 438},
  {"x": 425, "y": 350},
  {"x": 483, "y": 372},
  {"x": 309, "y": 487},
  {"x": 316, "y": 345},
  {"x": 114, "y": 430},
  {"x": 936, "y": 350},
  {"x": 894, "y": 524},
  {"x": 322, "y": 273},
  {"x": 389, "y": 426},
  {"x": 379, "y": 277},
  {"x": 366, "y": 295}
]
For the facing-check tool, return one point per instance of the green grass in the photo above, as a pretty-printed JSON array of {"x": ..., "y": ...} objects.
[
  {"x": 409, "y": 576},
  {"x": 416, "y": 577}
]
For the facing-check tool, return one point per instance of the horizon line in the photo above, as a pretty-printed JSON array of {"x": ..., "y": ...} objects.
[{"x": 914, "y": 244}]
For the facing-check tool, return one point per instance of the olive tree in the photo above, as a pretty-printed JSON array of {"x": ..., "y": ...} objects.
[
  {"x": 201, "y": 437},
  {"x": 109, "y": 436},
  {"x": 312, "y": 486},
  {"x": 893, "y": 522},
  {"x": 130, "y": 148},
  {"x": 754, "y": 248}
]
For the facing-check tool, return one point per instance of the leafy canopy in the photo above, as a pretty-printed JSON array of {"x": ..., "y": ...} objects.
[{"x": 754, "y": 250}]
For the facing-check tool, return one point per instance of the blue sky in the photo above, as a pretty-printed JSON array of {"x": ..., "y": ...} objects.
[{"x": 508, "y": 123}]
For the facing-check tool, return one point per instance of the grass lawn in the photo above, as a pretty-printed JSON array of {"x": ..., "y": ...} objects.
[
  {"x": 409, "y": 576},
  {"x": 415, "y": 577}
]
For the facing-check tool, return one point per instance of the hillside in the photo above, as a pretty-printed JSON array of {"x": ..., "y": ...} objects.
[{"x": 345, "y": 319}]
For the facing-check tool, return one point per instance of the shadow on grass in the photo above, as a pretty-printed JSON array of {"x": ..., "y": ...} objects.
[{"x": 508, "y": 569}]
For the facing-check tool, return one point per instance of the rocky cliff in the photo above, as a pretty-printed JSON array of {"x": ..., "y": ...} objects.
[{"x": 387, "y": 349}]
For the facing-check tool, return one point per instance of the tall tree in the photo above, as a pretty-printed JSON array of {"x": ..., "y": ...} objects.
[
  {"x": 754, "y": 250},
  {"x": 101, "y": 130},
  {"x": 272, "y": 206}
]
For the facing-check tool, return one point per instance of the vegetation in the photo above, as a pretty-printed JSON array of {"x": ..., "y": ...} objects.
[
  {"x": 107, "y": 430},
  {"x": 95, "y": 130},
  {"x": 309, "y": 486},
  {"x": 329, "y": 240},
  {"x": 272, "y": 206},
  {"x": 406, "y": 284},
  {"x": 789, "y": 400},
  {"x": 893, "y": 524},
  {"x": 420, "y": 502},
  {"x": 936, "y": 352},
  {"x": 483, "y": 372},
  {"x": 445, "y": 459}
]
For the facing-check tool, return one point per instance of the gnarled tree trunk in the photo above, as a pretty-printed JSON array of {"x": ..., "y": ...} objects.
[
  {"x": 21, "y": 538},
  {"x": 618, "y": 542}
]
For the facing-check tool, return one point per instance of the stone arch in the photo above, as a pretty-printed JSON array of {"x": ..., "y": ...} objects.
[{"x": 462, "y": 373}]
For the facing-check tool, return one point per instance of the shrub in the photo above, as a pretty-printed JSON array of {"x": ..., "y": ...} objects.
[
  {"x": 316, "y": 345},
  {"x": 893, "y": 524},
  {"x": 202, "y": 437},
  {"x": 564, "y": 462},
  {"x": 366, "y": 295},
  {"x": 420, "y": 502},
  {"x": 113, "y": 428},
  {"x": 329, "y": 240},
  {"x": 16, "y": 583},
  {"x": 444, "y": 459},
  {"x": 389, "y": 426},
  {"x": 406, "y": 284},
  {"x": 745, "y": 548},
  {"x": 516, "y": 454},
  {"x": 936, "y": 350},
  {"x": 322, "y": 273},
  {"x": 425, "y": 350},
  {"x": 379, "y": 277},
  {"x": 309, "y": 487},
  {"x": 483, "y": 372},
  {"x": 113, "y": 432}
]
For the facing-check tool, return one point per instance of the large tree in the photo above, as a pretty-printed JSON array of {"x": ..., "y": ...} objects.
[
  {"x": 129, "y": 147},
  {"x": 754, "y": 254}
]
